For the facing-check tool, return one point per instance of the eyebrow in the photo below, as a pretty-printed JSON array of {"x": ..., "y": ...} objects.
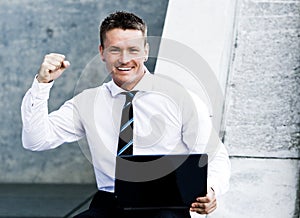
[
  {"x": 130, "y": 47},
  {"x": 113, "y": 47},
  {"x": 134, "y": 47}
]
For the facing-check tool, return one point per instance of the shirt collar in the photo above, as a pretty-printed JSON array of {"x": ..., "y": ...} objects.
[{"x": 145, "y": 84}]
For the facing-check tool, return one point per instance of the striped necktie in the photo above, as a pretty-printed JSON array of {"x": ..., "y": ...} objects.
[{"x": 125, "y": 145}]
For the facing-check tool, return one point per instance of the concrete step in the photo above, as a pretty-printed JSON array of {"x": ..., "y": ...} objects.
[{"x": 44, "y": 200}]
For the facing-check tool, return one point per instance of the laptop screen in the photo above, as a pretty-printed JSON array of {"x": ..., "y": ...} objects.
[{"x": 160, "y": 181}]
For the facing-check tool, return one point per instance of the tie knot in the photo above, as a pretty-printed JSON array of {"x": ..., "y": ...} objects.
[{"x": 129, "y": 95}]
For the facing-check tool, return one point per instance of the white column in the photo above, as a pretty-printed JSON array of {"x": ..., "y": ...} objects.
[{"x": 203, "y": 26}]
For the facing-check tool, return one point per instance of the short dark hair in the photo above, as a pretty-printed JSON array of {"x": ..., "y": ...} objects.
[{"x": 123, "y": 20}]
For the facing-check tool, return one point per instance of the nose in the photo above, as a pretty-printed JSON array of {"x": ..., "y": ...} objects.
[{"x": 124, "y": 57}]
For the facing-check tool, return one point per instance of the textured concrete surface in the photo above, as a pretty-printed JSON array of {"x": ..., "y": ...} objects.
[
  {"x": 29, "y": 30},
  {"x": 263, "y": 118},
  {"x": 261, "y": 188}
]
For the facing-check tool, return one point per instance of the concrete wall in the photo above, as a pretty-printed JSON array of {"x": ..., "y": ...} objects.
[
  {"x": 262, "y": 117},
  {"x": 261, "y": 120},
  {"x": 29, "y": 30}
]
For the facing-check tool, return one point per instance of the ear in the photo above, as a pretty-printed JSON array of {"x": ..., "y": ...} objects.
[
  {"x": 101, "y": 51},
  {"x": 146, "y": 51}
]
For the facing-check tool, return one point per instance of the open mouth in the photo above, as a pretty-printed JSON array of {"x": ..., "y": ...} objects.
[{"x": 124, "y": 68}]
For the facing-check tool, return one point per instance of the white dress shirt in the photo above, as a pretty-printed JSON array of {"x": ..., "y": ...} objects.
[{"x": 167, "y": 120}]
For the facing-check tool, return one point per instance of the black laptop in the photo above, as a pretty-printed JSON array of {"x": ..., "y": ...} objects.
[{"x": 160, "y": 181}]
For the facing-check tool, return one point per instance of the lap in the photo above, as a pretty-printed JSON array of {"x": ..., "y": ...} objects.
[
  {"x": 104, "y": 205},
  {"x": 172, "y": 214},
  {"x": 106, "y": 213},
  {"x": 97, "y": 213}
]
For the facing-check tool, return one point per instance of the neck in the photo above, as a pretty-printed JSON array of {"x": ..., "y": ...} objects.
[{"x": 129, "y": 85}]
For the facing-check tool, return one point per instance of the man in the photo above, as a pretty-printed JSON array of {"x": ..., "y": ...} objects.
[{"x": 165, "y": 119}]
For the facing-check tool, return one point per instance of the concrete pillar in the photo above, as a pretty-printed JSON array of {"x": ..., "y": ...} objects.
[
  {"x": 204, "y": 27},
  {"x": 262, "y": 113}
]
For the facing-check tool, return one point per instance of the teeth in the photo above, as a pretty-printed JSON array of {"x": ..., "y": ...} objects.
[{"x": 124, "y": 68}]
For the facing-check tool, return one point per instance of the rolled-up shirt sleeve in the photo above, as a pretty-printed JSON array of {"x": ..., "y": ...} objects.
[{"x": 43, "y": 131}]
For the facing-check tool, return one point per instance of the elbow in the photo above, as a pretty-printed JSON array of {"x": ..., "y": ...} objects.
[
  {"x": 33, "y": 144},
  {"x": 32, "y": 147}
]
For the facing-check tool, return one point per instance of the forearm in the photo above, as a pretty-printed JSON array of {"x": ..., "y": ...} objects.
[
  {"x": 219, "y": 169},
  {"x": 34, "y": 110},
  {"x": 42, "y": 131},
  {"x": 208, "y": 141}
]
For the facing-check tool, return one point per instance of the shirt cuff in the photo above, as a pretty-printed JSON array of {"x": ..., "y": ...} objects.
[
  {"x": 41, "y": 90},
  {"x": 212, "y": 185}
]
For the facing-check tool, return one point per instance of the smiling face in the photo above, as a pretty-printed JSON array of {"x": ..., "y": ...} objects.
[{"x": 124, "y": 52}]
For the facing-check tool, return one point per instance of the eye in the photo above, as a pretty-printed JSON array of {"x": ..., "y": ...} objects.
[
  {"x": 134, "y": 50},
  {"x": 114, "y": 50}
]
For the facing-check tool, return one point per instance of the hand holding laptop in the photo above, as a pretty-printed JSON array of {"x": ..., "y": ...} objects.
[{"x": 205, "y": 205}]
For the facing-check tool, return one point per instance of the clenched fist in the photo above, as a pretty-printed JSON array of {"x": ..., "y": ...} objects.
[{"x": 52, "y": 67}]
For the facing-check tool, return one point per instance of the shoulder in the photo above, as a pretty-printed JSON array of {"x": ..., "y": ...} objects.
[
  {"x": 161, "y": 84},
  {"x": 88, "y": 96},
  {"x": 87, "y": 93}
]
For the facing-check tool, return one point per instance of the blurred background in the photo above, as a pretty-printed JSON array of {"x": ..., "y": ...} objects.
[{"x": 253, "y": 46}]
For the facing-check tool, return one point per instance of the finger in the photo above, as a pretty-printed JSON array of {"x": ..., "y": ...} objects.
[
  {"x": 66, "y": 64},
  {"x": 198, "y": 209},
  {"x": 197, "y": 205},
  {"x": 46, "y": 67},
  {"x": 54, "y": 61},
  {"x": 210, "y": 196},
  {"x": 52, "y": 57},
  {"x": 212, "y": 209},
  {"x": 55, "y": 56},
  {"x": 203, "y": 199},
  {"x": 58, "y": 62},
  {"x": 57, "y": 73},
  {"x": 52, "y": 66},
  {"x": 203, "y": 209}
]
